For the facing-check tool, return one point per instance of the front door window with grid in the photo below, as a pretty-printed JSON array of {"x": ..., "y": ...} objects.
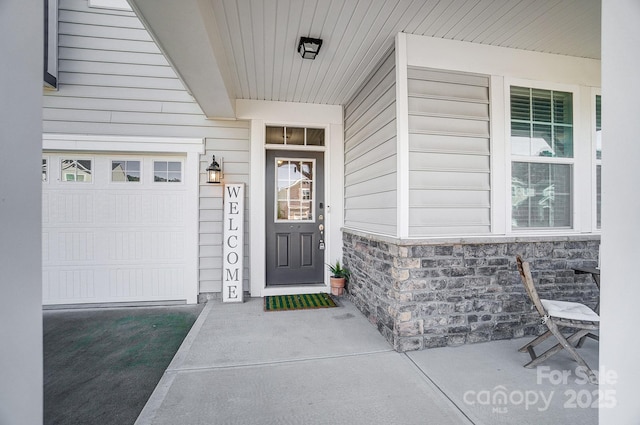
[
  {"x": 294, "y": 189},
  {"x": 542, "y": 158}
]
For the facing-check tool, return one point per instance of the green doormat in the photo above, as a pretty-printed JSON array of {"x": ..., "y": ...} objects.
[{"x": 297, "y": 302}]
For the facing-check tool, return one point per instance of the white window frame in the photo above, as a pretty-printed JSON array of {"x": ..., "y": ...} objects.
[{"x": 573, "y": 162}]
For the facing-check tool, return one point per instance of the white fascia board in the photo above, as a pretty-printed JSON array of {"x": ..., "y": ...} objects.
[
  {"x": 484, "y": 59},
  {"x": 97, "y": 143},
  {"x": 186, "y": 32},
  {"x": 274, "y": 112}
]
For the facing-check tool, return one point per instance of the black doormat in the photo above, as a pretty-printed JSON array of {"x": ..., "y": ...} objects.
[{"x": 297, "y": 302}]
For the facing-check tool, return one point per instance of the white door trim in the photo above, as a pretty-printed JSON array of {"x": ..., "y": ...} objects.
[{"x": 329, "y": 117}]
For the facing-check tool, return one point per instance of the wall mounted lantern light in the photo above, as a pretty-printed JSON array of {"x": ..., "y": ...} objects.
[
  {"x": 309, "y": 47},
  {"x": 214, "y": 172}
]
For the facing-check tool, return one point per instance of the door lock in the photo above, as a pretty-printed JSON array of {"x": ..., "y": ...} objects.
[
  {"x": 321, "y": 245},
  {"x": 321, "y": 227}
]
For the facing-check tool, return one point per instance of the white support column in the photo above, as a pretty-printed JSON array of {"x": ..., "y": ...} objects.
[
  {"x": 500, "y": 165},
  {"x": 21, "y": 71},
  {"x": 584, "y": 156},
  {"x": 257, "y": 227},
  {"x": 192, "y": 180},
  {"x": 334, "y": 194},
  {"x": 620, "y": 249},
  {"x": 402, "y": 123}
]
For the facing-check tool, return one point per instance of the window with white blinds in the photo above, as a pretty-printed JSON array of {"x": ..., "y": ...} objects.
[{"x": 541, "y": 158}]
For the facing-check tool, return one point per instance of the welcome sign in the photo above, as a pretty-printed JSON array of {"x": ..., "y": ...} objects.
[{"x": 233, "y": 243}]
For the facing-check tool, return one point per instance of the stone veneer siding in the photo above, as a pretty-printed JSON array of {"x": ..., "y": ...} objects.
[{"x": 425, "y": 294}]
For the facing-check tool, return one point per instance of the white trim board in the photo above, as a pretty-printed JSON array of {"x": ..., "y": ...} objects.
[
  {"x": 493, "y": 60},
  {"x": 303, "y": 114},
  {"x": 121, "y": 143}
]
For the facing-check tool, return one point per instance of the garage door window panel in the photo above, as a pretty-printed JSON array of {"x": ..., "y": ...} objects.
[
  {"x": 125, "y": 171},
  {"x": 167, "y": 171},
  {"x": 76, "y": 170}
]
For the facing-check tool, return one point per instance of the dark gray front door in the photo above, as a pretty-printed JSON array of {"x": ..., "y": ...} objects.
[{"x": 295, "y": 217}]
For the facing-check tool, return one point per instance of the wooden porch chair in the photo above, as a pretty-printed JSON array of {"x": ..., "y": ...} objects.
[{"x": 556, "y": 315}]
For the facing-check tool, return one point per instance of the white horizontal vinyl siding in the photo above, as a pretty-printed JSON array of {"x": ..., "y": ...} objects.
[
  {"x": 449, "y": 153},
  {"x": 370, "y": 154},
  {"x": 233, "y": 155},
  {"x": 114, "y": 80}
]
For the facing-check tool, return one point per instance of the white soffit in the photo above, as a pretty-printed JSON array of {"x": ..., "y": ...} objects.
[
  {"x": 247, "y": 49},
  {"x": 186, "y": 33}
]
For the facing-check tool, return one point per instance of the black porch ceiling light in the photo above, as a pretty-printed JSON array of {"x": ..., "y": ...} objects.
[{"x": 309, "y": 47}]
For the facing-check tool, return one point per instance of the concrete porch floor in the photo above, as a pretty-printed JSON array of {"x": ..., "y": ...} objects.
[{"x": 241, "y": 365}]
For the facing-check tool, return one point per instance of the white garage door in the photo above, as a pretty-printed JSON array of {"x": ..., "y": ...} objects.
[{"x": 113, "y": 228}]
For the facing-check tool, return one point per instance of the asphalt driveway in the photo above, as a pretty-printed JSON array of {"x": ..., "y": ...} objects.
[{"x": 101, "y": 365}]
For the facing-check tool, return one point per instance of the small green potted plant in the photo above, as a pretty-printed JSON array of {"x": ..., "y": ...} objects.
[{"x": 339, "y": 278}]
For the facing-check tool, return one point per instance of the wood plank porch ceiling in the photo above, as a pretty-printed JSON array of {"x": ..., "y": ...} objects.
[{"x": 257, "y": 39}]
